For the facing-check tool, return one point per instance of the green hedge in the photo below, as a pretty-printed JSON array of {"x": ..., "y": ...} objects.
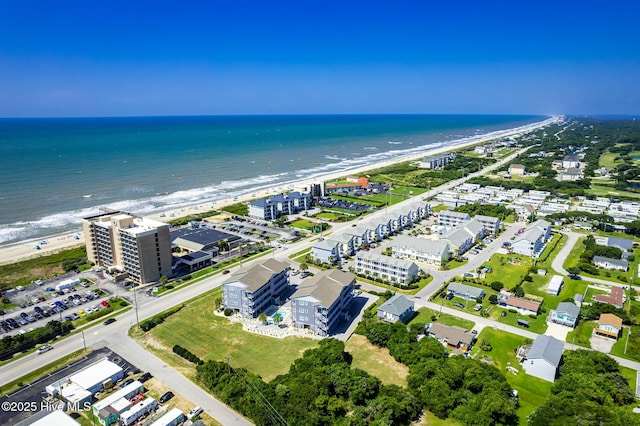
[
  {"x": 150, "y": 323},
  {"x": 186, "y": 354}
]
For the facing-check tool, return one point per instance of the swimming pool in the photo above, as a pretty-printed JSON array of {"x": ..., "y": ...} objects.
[{"x": 283, "y": 315}]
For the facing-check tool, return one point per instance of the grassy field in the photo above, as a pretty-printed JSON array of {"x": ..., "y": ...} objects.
[
  {"x": 376, "y": 361},
  {"x": 303, "y": 224},
  {"x": 532, "y": 391},
  {"x": 509, "y": 269},
  {"x": 43, "y": 267},
  {"x": 633, "y": 346},
  {"x": 425, "y": 314},
  {"x": 581, "y": 335},
  {"x": 608, "y": 159},
  {"x": 210, "y": 336}
]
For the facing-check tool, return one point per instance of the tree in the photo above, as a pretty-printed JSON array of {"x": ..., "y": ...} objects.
[
  {"x": 304, "y": 267},
  {"x": 277, "y": 318},
  {"x": 262, "y": 317},
  {"x": 497, "y": 285}
]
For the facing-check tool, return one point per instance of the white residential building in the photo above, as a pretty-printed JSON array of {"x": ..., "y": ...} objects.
[
  {"x": 386, "y": 267},
  {"x": 451, "y": 219},
  {"x": 420, "y": 249}
]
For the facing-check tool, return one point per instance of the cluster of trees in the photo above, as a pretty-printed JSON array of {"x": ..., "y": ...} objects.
[
  {"x": 592, "y": 249},
  {"x": 187, "y": 354},
  {"x": 157, "y": 319},
  {"x": 590, "y": 391},
  {"x": 320, "y": 388},
  {"x": 11, "y": 345},
  {"x": 593, "y": 311},
  {"x": 461, "y": 388},
  {"x": 500, "y": 212}
]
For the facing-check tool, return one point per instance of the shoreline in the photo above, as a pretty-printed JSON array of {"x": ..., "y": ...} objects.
[{"x": 24, "y": 250}]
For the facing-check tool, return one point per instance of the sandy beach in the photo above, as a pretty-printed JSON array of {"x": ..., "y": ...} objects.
[{"x": 26, "y": 250}]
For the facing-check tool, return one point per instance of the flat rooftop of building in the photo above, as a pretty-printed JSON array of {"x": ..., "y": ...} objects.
[{"x": 201, "y": 236}]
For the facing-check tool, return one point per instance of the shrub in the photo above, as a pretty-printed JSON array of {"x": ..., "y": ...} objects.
[
  {"x": 186, "y": 354},
  {"x": 150, "y": 323},
  {"x": 228, "y": 312},
  {"x": 623, "y": 278},
  {"x": 513, "y": 311},
  {"x": 533, "y": 316},
  {"x": 493, "y": 299}
]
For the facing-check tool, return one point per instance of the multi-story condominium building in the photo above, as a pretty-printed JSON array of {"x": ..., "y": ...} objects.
[
  {"x": 437, "y": 161},
  {"x": 348, "y": 246},
  {"x": 140, "y": 247},
  {"x": 324, "y": 301},
  {"x": 420, "y": 249},
  {"x": 451, "y": 219},
  {"x": 326, "y": 251},
  {"x": 386, "y": 267},
  {"x": 279, "y": 205},
  {"x": 459, "y": 239},
  {"x": 490, "y": 223},
  {"x": 532, "y": 241},
  {"x": 252, "y": 291}
]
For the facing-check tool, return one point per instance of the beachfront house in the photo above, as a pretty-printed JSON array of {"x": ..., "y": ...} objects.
[
  {"x": 565, "y": 314},
  {"x": 326, "y": 251},
  {"x": 323, "y": 301},
  {"x": 437, "y": 161},
  {"x": 386, "y": 268},
  {"x": 464, "y": 291},
  {"x": 251, "y": 291},
  {"x": 543, "y": 359},
  {"x": 420, "y": 249},
  {"x": 609, "y": 263},
  {"x": 609, "y": 325},
  {"x": 533, "y": 240},
  {"x": 397, "y": 308}
]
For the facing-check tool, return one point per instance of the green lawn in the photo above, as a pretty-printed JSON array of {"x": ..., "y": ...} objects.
[
  {"x": 607, "y": 159},
  {"x": 631, "y": 375},
  {"x": 425, "y": 314},
  {"x": 633, "y": 347},
  {"x": 532, "y": 391},
  {"x": 376, "y": 361},
  {"x": 327, "y": 216},
  {"x": 509, "y": 269},
  {"x": 209, "y": 336},
  {"x": 303, "y": 224},
  {"x": 581, "y": 335}
]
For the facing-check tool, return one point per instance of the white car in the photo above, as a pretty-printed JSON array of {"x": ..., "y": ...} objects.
[
  {"x": 44, "y": 348},
  {"x": 194, "y": 412}
]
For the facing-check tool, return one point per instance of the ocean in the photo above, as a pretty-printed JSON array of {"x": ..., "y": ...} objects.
[{"x": 53, "y": 172}]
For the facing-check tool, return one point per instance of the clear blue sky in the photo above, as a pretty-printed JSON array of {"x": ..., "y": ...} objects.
[{"x": 106, "y": 58}]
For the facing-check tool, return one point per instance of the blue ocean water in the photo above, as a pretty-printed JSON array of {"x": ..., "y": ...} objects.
[{"x": 53, "y": 172}]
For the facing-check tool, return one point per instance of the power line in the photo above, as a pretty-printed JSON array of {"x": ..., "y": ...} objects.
[{"x": 271, "y": 412}]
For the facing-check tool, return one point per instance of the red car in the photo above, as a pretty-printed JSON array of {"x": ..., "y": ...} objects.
[
  {"x": 105, "y": 304},
  {"x": 225, "y": 272}
]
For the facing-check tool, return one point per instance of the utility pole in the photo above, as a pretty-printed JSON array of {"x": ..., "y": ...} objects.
[
  {"x": 84, "y": 342},
  {"x": 135, "y": 300}
]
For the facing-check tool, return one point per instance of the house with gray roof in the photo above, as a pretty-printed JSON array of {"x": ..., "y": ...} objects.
[
  {"x": 609, "y": 263},
  {"x": 323, "y": 301},
  {"x": 465, "y": 291},
  {"x": 251, "y": 291},
  {"x": 543, "y": 359},
  {"x": 474, "y": 228},
  {"x": 451, "y": 335},
  {"x": 420, "y": 249},
  {"x": 397, "y": 308},
  {"x": 459, "y": 240},
  {"x": 326, "y": 251},
  {"x": 347, "y": 244},
  {"x": 565, "y": 314},
  {"x": 533, "y": 240},
  {"x": 361, "y": 235},
  {"x": 621, "y": 243},
  {"x": 386, "y": 267}
]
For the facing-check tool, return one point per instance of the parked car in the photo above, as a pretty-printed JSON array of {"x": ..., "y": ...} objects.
[
  {"x": 194, "y": 412},
  {"x": 126, "y": 382},
  {"x": 166, "y": 396},
  {"x": 82, "y": 313},
  {"x": 146, "y": 376},
  {"x": 105, "y": 304},
  {"x": 458, "y": 305}
]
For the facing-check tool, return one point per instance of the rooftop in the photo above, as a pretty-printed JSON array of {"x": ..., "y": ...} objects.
[
  {"x": 258, "y": 275},
  {"x": 397, "y": 305},
  {"x": 326, "y": 286},
  {"x": 547, "y": 348}
]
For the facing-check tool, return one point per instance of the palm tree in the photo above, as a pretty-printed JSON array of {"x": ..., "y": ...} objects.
[
  {"x": 277, "y": 318},
  {"x": 304, "y": 267},
  {"x": 262, "y": 317}
]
